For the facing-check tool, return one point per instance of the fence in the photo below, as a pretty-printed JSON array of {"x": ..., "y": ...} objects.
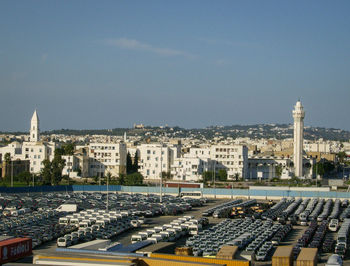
[{"x": 206, "y": 192}]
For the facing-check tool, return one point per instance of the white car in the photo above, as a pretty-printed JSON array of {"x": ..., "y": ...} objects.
[{"x": 334, "y": 260}]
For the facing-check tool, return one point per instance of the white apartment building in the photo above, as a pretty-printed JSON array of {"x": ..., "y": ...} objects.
[
  {"x": 36, "y": 153},
  {"x": 156, "y": 158},
  {"x": 107, "y": 157},
  {"x": 232, "y": 158},
  {"x": 189, "y": 168},
  {"x": 77, "y": 165},
  {"x": 322, "y": 147}
]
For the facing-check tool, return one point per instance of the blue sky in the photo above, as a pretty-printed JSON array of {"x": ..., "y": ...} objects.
[{"x": 107, "y": 64}]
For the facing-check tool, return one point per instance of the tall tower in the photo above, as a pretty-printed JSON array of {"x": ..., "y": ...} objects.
[
  {"x": 298, "y": 115},
  {"x": 34, "y": 128}
]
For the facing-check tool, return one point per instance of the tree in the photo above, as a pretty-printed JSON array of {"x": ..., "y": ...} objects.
[
  {"x": 25, "y": 177},
  {"x": 7, "y": 158},
  {"x": 129, "y": 166},
  {"x": 134, "y": 179},
  {"x": 222, "y": 175},
  {"x": 207, "y": 176},
  {"x": 341, "y": 155},
  {"x": 121, "y": 179},
  {"x": 166, "y": 175},
  {"x": 52, "y": 171},
  {"x": 278, "y": 169},
  {"x": 68, "y": 149},
  {"x": 136, "y": 163}
]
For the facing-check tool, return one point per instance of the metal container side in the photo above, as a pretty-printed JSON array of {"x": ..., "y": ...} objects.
[
  {"x": 307, "y": 257},
  {"x": 227, "y": 252},
  {"x": 201, "y": 259},
  {"x": 283, "y": 256},
  {"x": 167, "y": 262},
  {"x": 14, "y": 249}
]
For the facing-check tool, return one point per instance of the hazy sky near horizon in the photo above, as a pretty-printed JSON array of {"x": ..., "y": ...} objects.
[{"x": 107, "y": 64}]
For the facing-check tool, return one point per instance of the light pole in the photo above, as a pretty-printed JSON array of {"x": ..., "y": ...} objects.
[
  {"x": 108, "y": 174},
  {"x": 161, "y": 174},
  {"x": 214, "y": 179},
  {"x": 11, "y": 173}
]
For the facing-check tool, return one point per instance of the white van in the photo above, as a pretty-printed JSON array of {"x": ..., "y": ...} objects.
[
  {"x": 64, "y": 220},
  {"x": 155, "y": 239},
  {"x": 165, "y": 235},
  {"x": 138, "y": 238},
  {"x": 333, "y": 225}
]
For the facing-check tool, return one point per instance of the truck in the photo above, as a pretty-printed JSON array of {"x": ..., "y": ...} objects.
[{"x": 67, "y": 208}]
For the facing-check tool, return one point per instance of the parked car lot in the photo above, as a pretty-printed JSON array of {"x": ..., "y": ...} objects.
[{"x": 136, "y": 217}]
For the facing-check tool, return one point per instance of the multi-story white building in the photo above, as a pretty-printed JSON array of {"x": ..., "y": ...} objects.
[
  {"x": 189, "y": 168},
  {"x": 35, "y": 151},
  {"x": 232, "y": 158},
  {"x": 107, "y": 158},
  {"x": 155, "y": 159}
]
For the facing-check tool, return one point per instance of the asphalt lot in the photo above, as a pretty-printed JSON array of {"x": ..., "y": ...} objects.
[{"x": 125, "y": 238}]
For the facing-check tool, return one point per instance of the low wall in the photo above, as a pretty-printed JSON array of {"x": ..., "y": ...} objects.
[{"x": 260, "y": 193}]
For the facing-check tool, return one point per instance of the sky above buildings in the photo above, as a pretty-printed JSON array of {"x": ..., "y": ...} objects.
[{"x": 107, "y": 64}]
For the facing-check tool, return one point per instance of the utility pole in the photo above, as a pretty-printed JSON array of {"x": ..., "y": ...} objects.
[
  {"x": 161, "y": 174},
  {"x": 214, "y": 179},
  {"x": 316, "y": 173},
  {"x": 107, "y": 189},
  {"x": 11, "y": 173}
]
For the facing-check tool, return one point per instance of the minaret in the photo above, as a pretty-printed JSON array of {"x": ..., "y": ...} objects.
[
  {"x": 34, "y": 128},
  {"x": 298, "y": 115}
]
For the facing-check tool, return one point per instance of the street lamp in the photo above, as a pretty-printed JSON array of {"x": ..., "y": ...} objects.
[
  {"x": 161, "y": 174},
  {"x": 108, "y": 174}
]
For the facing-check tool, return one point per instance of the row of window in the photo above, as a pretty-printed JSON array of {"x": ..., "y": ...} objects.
[
  {"x": 103, "y": 147},
  {"x": 226, "y": 150},
  {"x": 32, "y": 150}
]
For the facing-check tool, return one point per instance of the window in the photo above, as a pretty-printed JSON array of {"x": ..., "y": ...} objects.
[
  {"x": 147, "y": 171},
  {"x": 34, "y": 156},
  {"x": 148, "y": 152},
  {"x": 148, "y": 158}
]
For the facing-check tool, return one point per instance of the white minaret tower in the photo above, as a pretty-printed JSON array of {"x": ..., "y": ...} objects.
[
  {"x": 34, "y": 128},
  {"x": 298, "y": 115}
]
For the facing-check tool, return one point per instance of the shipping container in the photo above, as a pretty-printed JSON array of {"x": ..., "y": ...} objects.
[
  {"x": 201, "y": 259},
  {"x": 187, "y": 251},
  {"x": 161, "y": 247},
  {"x": 283, "y": 256},
  {"x": 167, "y": 262},
  {"x": 82, "y": 259},
  {"x": 227, "y": 252},
  {"x": 307, "y": 257},
  {"x": 14, "y": 249}
]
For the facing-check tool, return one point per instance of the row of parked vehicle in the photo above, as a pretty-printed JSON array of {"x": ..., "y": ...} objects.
[
  {"x": 221, "y": 210},
  {"x": 263, "y": 245},
  {"x": 342, "y": 238},
  {"x": 277, "y": 210},
  {"x": 172, "y": 231},
  {"x": 96, "y": 224},
  {"x": 42, "y": 226},
  {"x": 244, "y": 233}
]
